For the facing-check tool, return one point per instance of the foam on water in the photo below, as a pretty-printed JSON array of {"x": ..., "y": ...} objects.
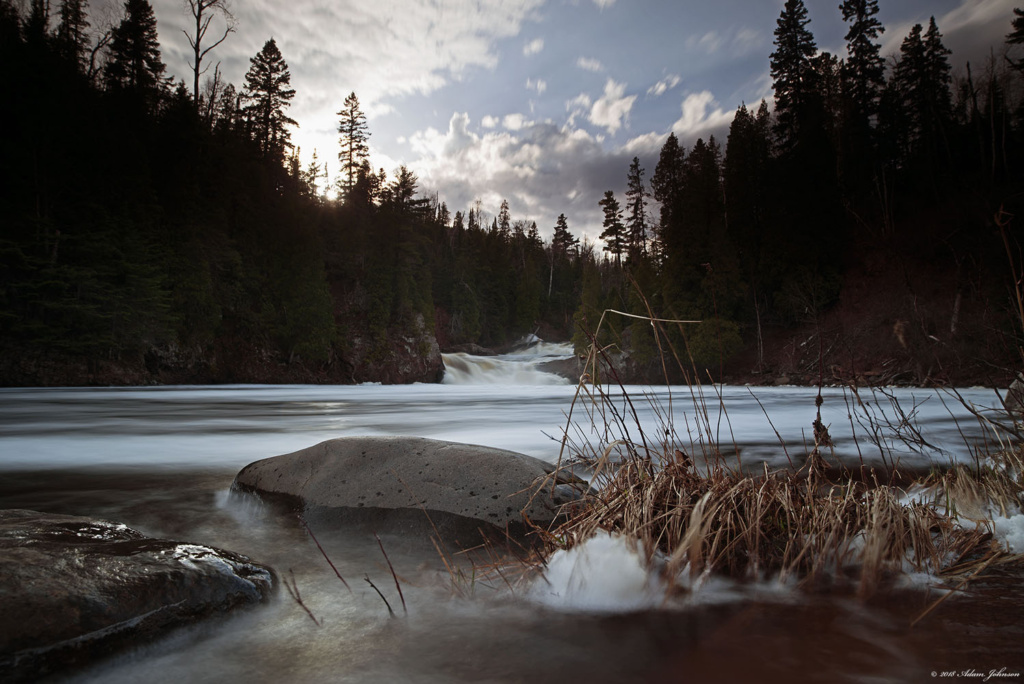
[
  {"x": 518, "y": 367},
  {"x": 603, "y": 574}
]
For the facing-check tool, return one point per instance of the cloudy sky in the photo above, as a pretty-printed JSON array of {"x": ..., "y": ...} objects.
[{"x": 542, "y": 102}]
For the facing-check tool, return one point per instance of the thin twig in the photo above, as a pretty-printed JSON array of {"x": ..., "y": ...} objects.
[
  {"x": 390, "y": 612},
  {"x": 293, "y": 591},
  {"x": 392, "y": 569},
  {"x": 324, "y": 553}
]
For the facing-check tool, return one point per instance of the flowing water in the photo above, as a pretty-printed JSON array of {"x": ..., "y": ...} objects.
[{"x": 162, "y": 460}]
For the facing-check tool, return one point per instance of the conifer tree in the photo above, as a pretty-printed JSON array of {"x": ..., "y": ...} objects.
[
  {"x": 864, "y": 69},
  {"x": 267, "y": 94},
  {"x": 921, "y": 94},
  {"x": 791, "y": 71},
  {"x": 72, "y": 41},
  {"x": 614, "y": 232},
  {"x": 402, "y": 190},
  {"x": 354, "y": 139},
  {"x": 1016, "y": 37},
  {"x": 636, "y": 205},
  {"x": 667, "y": 185},
  {"x": 135, "y": 62},
  {"x": 38, "y": 24},
  {"x": 503, "y": 222},
  {"x": 563, "y": 242}
]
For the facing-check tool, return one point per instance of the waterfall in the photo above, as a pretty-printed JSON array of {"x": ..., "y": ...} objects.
[{"x": 519, "y": 367}]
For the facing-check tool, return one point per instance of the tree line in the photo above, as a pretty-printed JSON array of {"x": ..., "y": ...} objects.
[
  {"x": 140, "y": 215},
  {"x": 863, "y": 160}
]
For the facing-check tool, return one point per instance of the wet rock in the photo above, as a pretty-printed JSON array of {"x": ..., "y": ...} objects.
[
  {"x": 1014, "y": 401},
  {"x": 470, "y": 348},
  {"x": 417, "y": 485},
  {"x": 75, "y": 589}
]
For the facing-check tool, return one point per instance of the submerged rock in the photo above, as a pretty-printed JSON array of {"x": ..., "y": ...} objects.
[
  {"x": 415, "y": 484},
  {"x": 75, "y": 589}
]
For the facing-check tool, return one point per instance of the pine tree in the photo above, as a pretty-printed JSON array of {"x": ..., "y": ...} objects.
[
  {"x": 38, "y": 23},
  {"x": 267, "y": 94},
  {"x": 135, "y": 62},
  {"x": 403, "y": 190},
  {"x": 667, "y": 185},
  {"x": 503, "y": 224},
  {"x": 614, "y": 232},
  {"x": 354, "y": 143},
  {"x": 1016, "y": 37},
  {"x": 791, "y": 71},
  {"x": 71, "y": 39},
  {"x": 563, "y": 243},
  {"x": 921, "y": 95},
  {"x": 636, "y": 205},
  {"x": 937, "y": 73},
  {"x": 864, "y": 69}
]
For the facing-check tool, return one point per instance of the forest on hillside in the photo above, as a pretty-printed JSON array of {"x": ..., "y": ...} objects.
[{"x": 153, "y": 232}]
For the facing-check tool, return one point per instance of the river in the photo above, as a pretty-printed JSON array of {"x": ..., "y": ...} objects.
[{"x": 162, "y": 459}]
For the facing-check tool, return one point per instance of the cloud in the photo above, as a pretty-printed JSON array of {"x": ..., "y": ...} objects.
[
  {"x": 589, "y": 64},
  {"x": 611, "y": 111},
  {"x": 380, "y": 50},
  {"x": 539, "y": 85},
  {"x": 604, "y": 3},
  {"x": 707, "y": 43},
  {"x": 514, "y": 122},
  {"x": 542, "y": 169},
  {"x": 533, "y": 47},
  {"x": 489, "y": 121},
  {"x": 664, "y": 85},
  {"x": 697, "y": 119},
  {"x": 969, "y": 30}
]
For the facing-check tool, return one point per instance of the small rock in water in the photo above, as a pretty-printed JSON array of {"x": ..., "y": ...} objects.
[{"x": 76, "y": 589}]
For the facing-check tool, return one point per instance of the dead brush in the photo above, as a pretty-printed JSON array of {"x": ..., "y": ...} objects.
[{"x": 693, "y": 519}]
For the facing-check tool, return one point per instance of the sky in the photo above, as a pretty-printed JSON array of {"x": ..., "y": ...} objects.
[{"x": 540, "y": 102}]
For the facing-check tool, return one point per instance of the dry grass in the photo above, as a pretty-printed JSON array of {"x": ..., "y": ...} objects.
[{"x": 799, "y": 523}]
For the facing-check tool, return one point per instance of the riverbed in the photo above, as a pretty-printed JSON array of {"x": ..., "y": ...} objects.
[{"x": 162, "y": 460}]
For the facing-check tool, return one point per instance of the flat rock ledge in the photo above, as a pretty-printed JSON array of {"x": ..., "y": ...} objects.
[
  {"x": 411, "y": 484},
  {"x": 74, "y": 590}
]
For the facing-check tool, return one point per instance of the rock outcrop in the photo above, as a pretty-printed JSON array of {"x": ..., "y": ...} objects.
[
  {"x": 412, "y": 483},
  {"x": 76, "y": 589}
]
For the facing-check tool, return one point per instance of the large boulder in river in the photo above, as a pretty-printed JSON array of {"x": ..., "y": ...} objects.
[
  {"x": 415, "y": 484},
  {"x": 76, "y": 589}
]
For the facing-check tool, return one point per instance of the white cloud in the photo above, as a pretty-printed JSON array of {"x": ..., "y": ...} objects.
[
  {"x": 697, "y": 118},
  {"x": 746, "y": 39},
  {"x": 611, "y": 111},
  {"x": 489, "y": 121},
  {"x": 969, "y": 30},
  {"x": 708, "y": 43},
  {"x": 542, "y": 169},
  {"x": 540, "y": 85},
  {"x": 604, "y": 3},
  {"x": 380, "y": 50},
  {"x": 578, "y": 106},
  {"x": 589, "y": 64},
  {"x": 513, "y": 122},
  {"x": 664, "y": 85},
  {"x": 533, "y": 47}
]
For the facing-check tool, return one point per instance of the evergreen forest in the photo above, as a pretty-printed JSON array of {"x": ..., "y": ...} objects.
[{"x": 866, "y": 227}]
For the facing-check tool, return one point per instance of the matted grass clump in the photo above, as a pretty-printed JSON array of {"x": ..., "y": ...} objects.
[
  {"x": 788, "y": 524},
  {"x": 822, "y": 527}
]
